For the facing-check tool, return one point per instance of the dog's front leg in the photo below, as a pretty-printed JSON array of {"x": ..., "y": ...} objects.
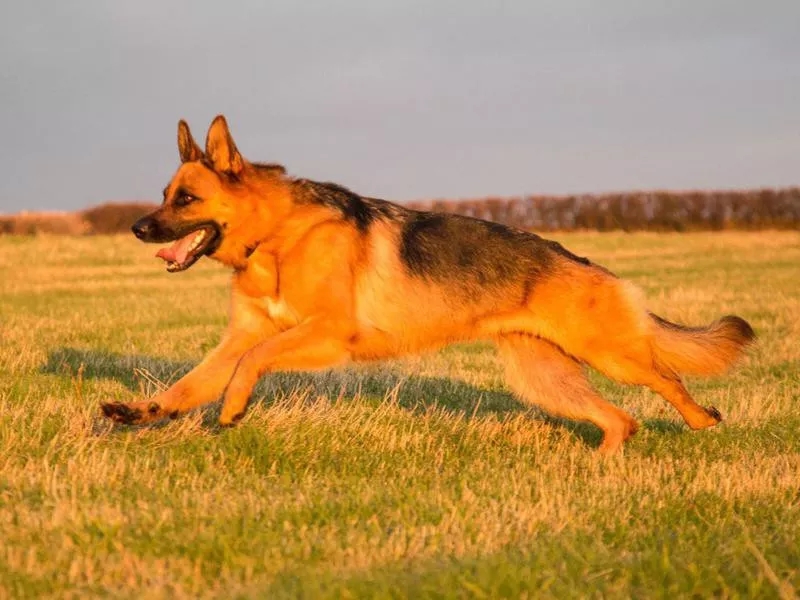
[
  {"x": 309, "y": 346},
  {"x": 203, "y": 384},
  {"x": 206, "y": 382}
]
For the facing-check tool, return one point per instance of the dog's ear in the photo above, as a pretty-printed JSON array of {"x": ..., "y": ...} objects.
[
  {"x": 187, "y": 147},
  {"x": 221, "y": 150}
]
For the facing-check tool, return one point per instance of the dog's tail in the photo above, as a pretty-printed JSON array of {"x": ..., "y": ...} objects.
[{"x": 700, "y": 350}]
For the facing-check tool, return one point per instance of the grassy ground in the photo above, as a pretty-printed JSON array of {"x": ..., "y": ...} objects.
[{"x": 417, "y": 478}]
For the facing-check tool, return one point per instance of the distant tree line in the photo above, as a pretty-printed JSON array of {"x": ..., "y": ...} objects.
[
  {"x": 111, "y": 217},
  {"x": 636, "y": 211},
  {"x": 630, "y": 211}
]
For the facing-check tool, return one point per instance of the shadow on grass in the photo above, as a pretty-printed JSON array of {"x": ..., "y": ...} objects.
[
  {"x": 666, "y": 426},
  {"x": 413, "y": 392}
]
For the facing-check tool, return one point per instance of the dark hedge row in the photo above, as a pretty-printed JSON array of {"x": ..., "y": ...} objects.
[
  {"x": 632, "y": 211},
  {"x": 106, "y": 218},
  {"x": 636, "y": 211}
]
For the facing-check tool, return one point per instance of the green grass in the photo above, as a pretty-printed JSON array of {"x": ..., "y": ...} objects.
[{"x": 416, "y": 478}]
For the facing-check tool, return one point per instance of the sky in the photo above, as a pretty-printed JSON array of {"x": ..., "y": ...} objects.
[{"x": 404, "y": 100}]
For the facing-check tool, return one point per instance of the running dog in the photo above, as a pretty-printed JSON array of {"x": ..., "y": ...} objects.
[{"x": 323, "y": 277}]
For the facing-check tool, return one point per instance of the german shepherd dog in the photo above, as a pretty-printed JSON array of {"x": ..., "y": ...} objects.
[{"x": 323, "y": 277}]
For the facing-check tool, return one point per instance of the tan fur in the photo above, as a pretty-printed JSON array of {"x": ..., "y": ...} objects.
[
  {"x": 543, "y": 375},
  {"x": 704, "y": 352}
]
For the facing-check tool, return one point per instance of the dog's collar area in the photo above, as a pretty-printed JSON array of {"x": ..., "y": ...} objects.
[{"x": 248, "y": 250}]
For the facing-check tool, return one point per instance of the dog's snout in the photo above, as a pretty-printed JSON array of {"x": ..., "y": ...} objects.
[{"x": 143, "y": 228}]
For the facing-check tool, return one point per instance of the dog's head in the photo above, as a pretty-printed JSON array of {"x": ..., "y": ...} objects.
[{"x": 207, "y": 205}]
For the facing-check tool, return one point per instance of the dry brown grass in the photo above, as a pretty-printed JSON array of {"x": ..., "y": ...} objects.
[{"x": 415, "y": 478}]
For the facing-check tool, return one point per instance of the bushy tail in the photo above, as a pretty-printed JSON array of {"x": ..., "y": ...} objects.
[{"x": 700, "y": 350}]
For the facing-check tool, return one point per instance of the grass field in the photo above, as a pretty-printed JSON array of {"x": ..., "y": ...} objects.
[{"x": 416, "y": 478}]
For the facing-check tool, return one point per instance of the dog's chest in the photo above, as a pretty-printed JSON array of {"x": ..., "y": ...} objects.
[
  {"x": 280, "y": 312},
  {"x": 260, "y": 281}
]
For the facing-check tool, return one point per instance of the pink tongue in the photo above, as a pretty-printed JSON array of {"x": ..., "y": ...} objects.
[{"x": 178, "y": 251}]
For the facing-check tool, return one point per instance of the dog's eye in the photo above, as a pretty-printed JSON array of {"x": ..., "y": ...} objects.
[{"x": 184, "y": 199}]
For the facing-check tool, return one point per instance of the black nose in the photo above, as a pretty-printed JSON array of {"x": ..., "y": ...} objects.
[{"x": 143, "y": 228}]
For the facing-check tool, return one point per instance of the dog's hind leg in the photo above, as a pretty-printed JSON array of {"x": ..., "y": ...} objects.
[
  {"x": 542, "y": 374},
  {"x": 601, "y": 321},
  {"x": 640, "y": 369}
]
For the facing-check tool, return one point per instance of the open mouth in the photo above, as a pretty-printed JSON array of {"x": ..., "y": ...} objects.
[{"x": 183, "y": 253}]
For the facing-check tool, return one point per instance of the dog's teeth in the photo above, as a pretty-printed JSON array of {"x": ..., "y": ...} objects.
[{"x": 197, "y": 240}]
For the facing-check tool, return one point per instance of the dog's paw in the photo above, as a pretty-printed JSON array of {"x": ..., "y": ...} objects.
[
  {"x": 225, "y": 421},
  {"x": 120, "y": 412},
  {"x": 714, "y": 413}
]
